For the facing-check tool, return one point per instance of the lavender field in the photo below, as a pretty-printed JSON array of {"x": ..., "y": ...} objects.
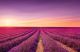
[{"x": 39, "y": 39}]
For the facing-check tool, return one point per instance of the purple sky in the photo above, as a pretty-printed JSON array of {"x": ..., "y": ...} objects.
[{"x": 40, "y": 9}]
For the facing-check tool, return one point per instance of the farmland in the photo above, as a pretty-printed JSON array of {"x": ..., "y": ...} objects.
[{"x": 39, "y": 39}]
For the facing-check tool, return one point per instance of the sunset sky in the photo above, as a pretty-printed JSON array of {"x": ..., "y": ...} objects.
[{"x": 40, "y": 13}]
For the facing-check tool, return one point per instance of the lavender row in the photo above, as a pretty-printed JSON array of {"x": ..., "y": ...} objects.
[
  {"x": 75, "y": 44},
  {"x": 28, "y": 45},
  {"x": 16, "y": 36},
  {"x": 4, "y": 47},
  {"x": 50, "y": 45},
  {"x": 12, "y": 32}
]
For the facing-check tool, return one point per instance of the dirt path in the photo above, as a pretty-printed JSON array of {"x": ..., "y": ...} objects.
[{"x": 40, "y": 47}]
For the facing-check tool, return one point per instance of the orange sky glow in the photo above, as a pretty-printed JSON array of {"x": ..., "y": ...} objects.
[
  {"x": 39, "y": 22},
  {"x": 39, "y": 13}
]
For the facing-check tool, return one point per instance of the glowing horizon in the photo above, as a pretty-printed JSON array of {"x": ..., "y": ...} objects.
[
  {"x": 40, "y": 22},
  {"x": 40, "y": 13}
]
